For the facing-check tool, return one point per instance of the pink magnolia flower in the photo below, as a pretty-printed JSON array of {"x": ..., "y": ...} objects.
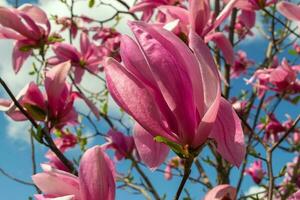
[
  {"x": 29, "y": 26},
  {"x": 256, "y": 171},
  {"x": 95, "y": 180},
  {"x": 283, "y": 78},
  {"x": 241, "y": 64},
  {"x": 200, "y": 19},
  {"x": 173, "y": 93},
  {"x": 292, "y": 170},
  {"x": 122, "y": 144},
  {"x": 148, "y": 6},
  {"x": 54, "y": 106},
  {"x": 221, "y": 192},
  {"x": 85, "y": 59},
  {"x": 272, "y": 128},
  {"x": 245, "y": 22}
]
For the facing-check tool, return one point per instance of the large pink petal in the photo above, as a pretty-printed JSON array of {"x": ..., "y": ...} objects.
[
  {"x": 10, "y": 18},
  {"x": 221, "y": 192},
  {"x": 19, "y": 56},
  {"x": 223, "y": 44},
  {"x": 66, "y": 51},
  {"x": 289, "y": 10},
  {"x": 56, "y": 182},
  {"x": 7, "y": 33},
  {"x": 211, "y": 88},
  {"x": 152, "y": 153},
  {"x": 170, "y": 74},
  {"x": 199, "y": 15},
  {"x": 228, "y": 134},
  {"x": 36, "y": 14},
  {"x": 135, "y": 63},
  {"x": 134, "y": 98},
  {"x": 50, "y": 197},
  {"x": 55, "y": 84},
  {"x": 96, "y": 176}
]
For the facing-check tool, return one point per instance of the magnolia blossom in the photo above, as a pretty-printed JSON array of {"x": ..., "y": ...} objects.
[
  {"x": 282, "y": 78},
  {"x": 172, "y": 93},
  {"x": 295, "y": 196},
  {"x": 252, "y": 5},
  {"x": 256, "y": 171},
  {"x": 241, "y": 64},
  {"x": 199, "y": 18},
  {"x": 122, "y": 144},
  {"x": 272, "y": 127},
  {"x": 86, "y": 59},
  {"x": 95, "y": 180},
  {"x": 221, "y": 192},
  {"x": 54, "y": 106},
  {"x": 148, "y": 6},
  {"x": 29, "y": 26}
]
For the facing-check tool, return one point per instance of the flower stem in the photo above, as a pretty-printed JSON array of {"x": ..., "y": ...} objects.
[{"x": 187, "y": 170}]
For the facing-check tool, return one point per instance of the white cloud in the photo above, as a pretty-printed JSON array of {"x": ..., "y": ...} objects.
[
  {"x": 255, "y": 190},
  {"x": 17, "y": 130}
]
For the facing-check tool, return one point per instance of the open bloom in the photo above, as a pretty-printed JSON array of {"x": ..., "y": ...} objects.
[
  {"x": 272, "y": 128},
  {"x": 241, "y": 64},
  {"x": 172, "y": 93},
  {"x": 256, "y": 171},
  {"x": 95, "y": 180},
  {"x": 221, "y": 192},
  {"x": 29, "y": 26},
  {"x": 55, "y": 106},
  {"x": 86, "y": 59},
  {"x": 148, "y": 6}
]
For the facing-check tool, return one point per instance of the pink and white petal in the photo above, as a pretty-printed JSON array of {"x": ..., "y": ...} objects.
[
  {"x": 37, "y": 14},
  {"x": 228, "y": 134},
  {"x": 48, "y": 197},
  {"x": 57, "y": 184},
  {"x": 84, "y": 43},
  {"x": 211, "y": 88},
  {"x": 199, "y": 15},
  {"x": 66, "y": 51},
  {"x": 151, "y": 152},
  {"x": 96, "y": 176}
]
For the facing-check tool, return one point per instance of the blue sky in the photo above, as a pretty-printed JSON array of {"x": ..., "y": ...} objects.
[{"x": 15, "y": 152}]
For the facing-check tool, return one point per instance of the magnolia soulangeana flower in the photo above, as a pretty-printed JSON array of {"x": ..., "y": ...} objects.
[
  {"x": 29, "y": 26},
  {"x": 256, "y": 171},
  {"x": 55, "y": 106},
  {"x": 86, "y": 59},
  {"x": 172, "y": 93},
  {"x": 95, "y": 180}
]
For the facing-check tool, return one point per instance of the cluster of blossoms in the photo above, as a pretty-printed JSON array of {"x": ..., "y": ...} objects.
[{"x": 165, "y": 77}]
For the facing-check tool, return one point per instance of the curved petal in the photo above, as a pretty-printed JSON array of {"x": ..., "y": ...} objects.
[
  {"x": 152, "y": 153},
  {"x": 170, "y": 73},
  {"x": 228, "y": 134},
  {"x": 66, "y": 51},
  {"x": 223, "y": 44},
  {"x": 211, "y": 88},
  {"x": 289, "y": 10},
  {"x": 36, "y": 14},
  {"x": 221, "y": 192},
  {"x": 56, "y": 182},
  {"x": 134, "y": 98},
  {"x": 96, "y": 175},
  {"x": 199, "y": 15},
  {"x": 135, "y": 63},
  {"x": 55, "y": 84}
]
